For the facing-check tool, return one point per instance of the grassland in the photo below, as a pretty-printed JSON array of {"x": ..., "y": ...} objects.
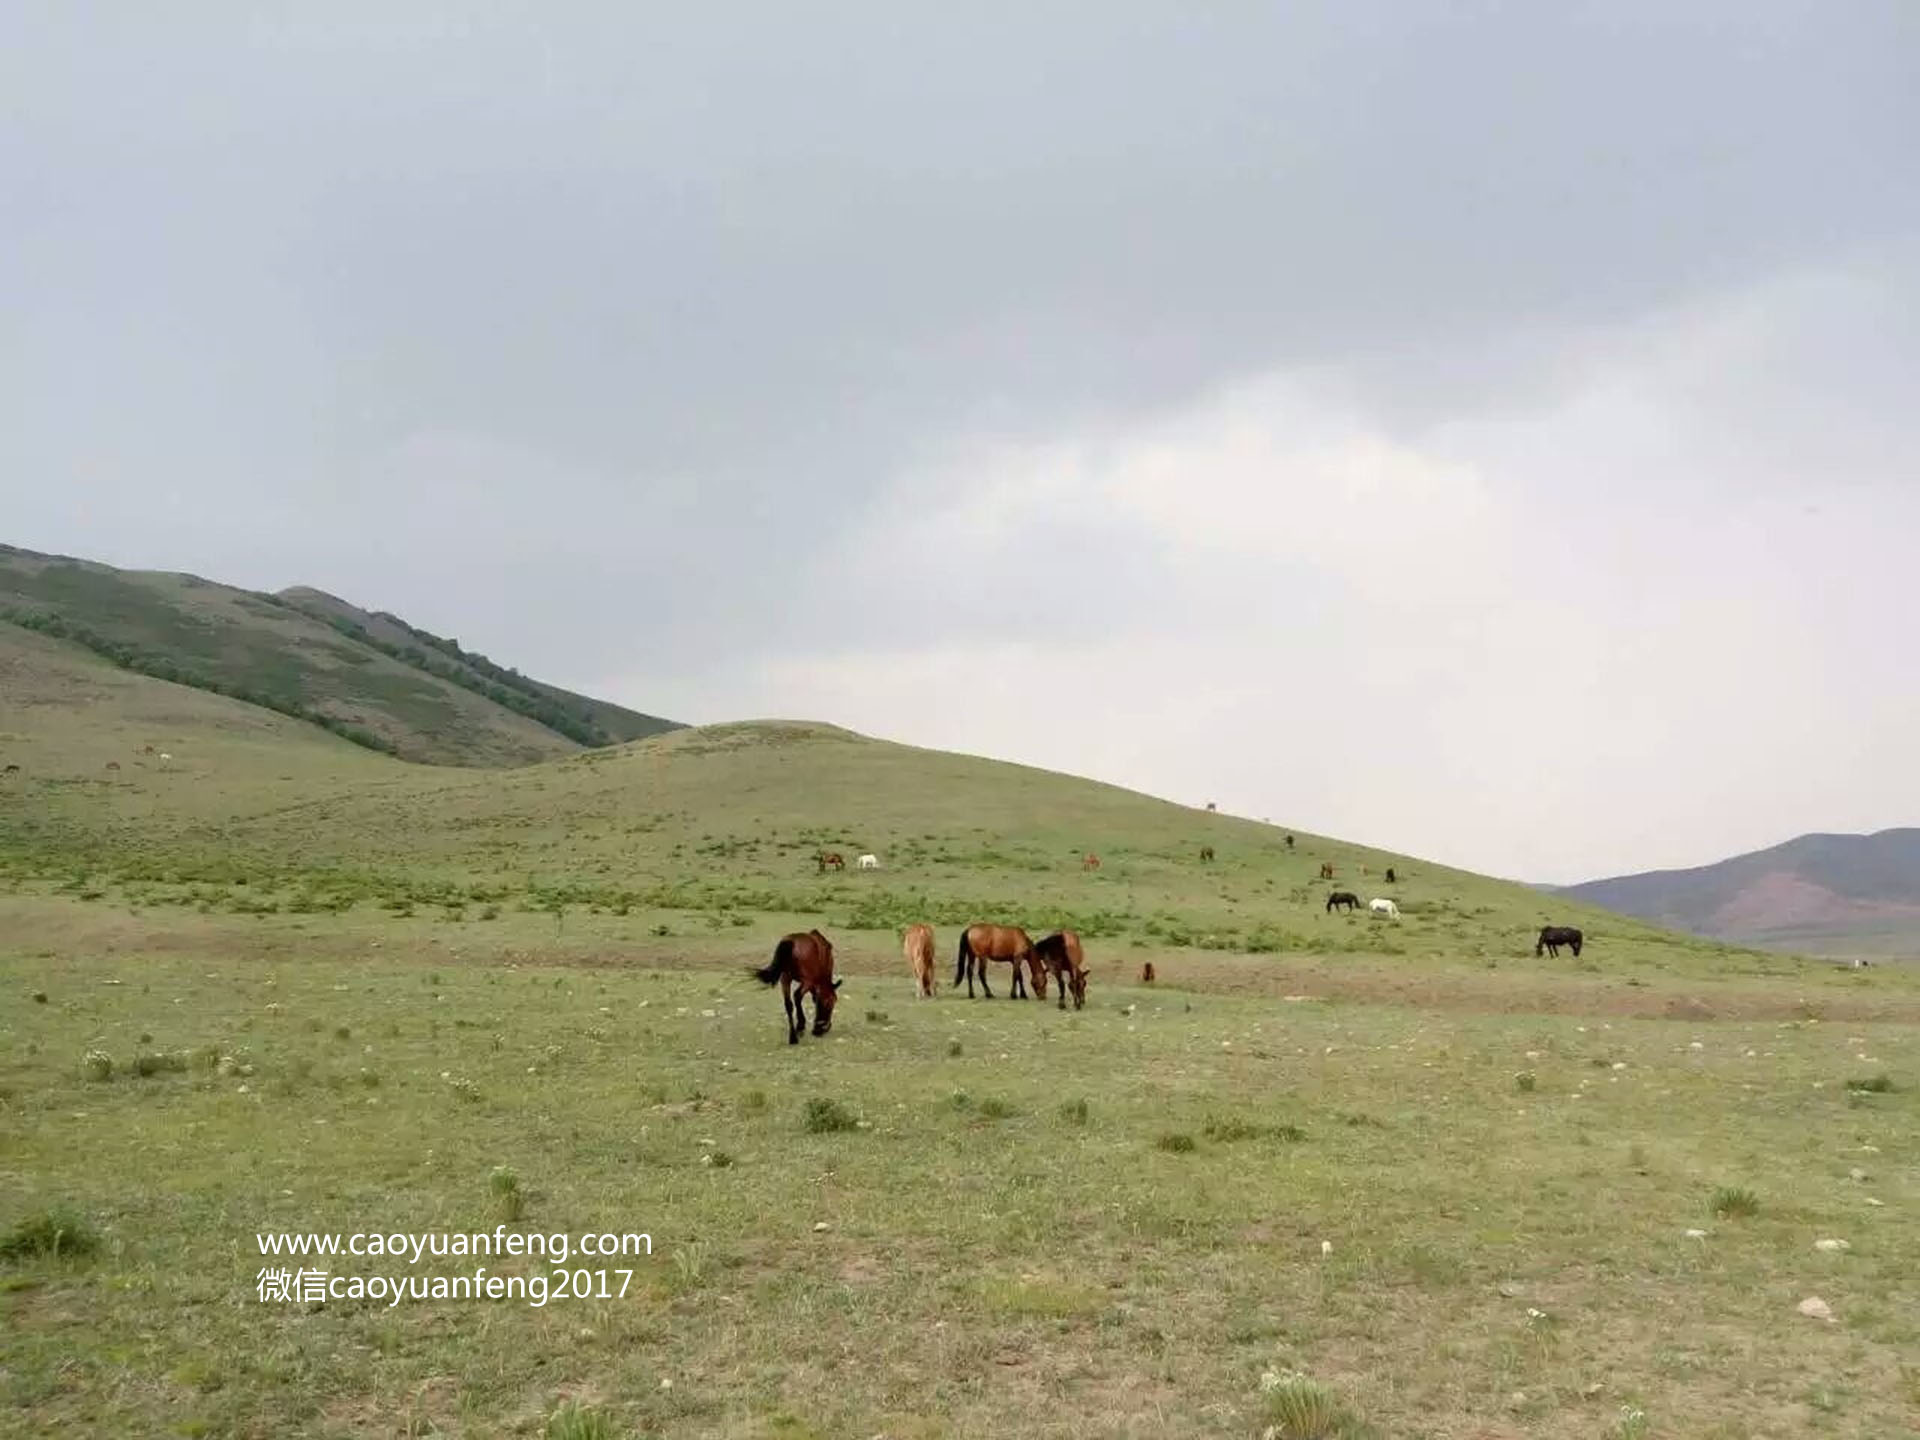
[{"x": 1448, "y": 1182}]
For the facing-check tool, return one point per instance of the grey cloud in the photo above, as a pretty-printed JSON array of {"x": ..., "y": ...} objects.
[{"x": 621, "y": 345}]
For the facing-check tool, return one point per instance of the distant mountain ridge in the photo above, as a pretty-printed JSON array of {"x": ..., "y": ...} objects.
[
  {"x": 368, "y": 676},
  {"x": 1821, "y": 893}
]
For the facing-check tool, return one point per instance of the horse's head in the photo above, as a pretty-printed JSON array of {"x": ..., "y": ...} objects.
[
  {"x": 824, "y": 1000},
  {"x": 1038, "y": 970}
]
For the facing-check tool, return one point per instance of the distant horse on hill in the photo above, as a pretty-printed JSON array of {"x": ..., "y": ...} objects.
[
  {"x": 1392, "y": 879},
  {"x": 803, "y": 963},
  {"x": 830, "y": 860},
  {"x": 1386, "y": 908},
  {"x": 869, "y": 862},
  {"x": 1008, "y": 944},
  {"x": 1343, "y": 899},
  {"x": 1206, "y": 853},
  {"x": 1326, "y": 870},
  {"x": 1090, "y": 861},
  {"x": 1552, "y": 937}
]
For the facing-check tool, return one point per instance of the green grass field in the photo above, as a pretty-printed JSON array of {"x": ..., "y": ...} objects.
[{"x": 1328, "y": 1176}]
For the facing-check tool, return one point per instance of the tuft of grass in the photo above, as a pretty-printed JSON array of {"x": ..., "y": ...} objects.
[
  {"x": 1633, "y": 1424},
  {"x": 39, "y": 997},
  {"x": 828, "y": 1117},
  {"x": 1525, "y": 1082},
  {"x": 51, "y": 1233},
  {"x": 573, "y": 1421},
  {"x": 1233, "y": 1128},
  {"x": 1735, "y": 1202},
  {"x": 719, "y": 1159},
  {"x": 1881, "y": 1084},
  {"x": 994, "y": 1108},
  {"x": 158, "y": 1062},
  {"x": 1074, "y": 1112},
  {"x": 1297, "y": 1408},
  {"x": 97, "y": 1065},
  {"x": 876, "y": 1017},
  {"x": 1176, "y": 1143},
  {"x": 953, "y": 1049},
  {"x": 754, "y": 1100}
]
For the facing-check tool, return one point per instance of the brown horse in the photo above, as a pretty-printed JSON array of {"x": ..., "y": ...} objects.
[
  {"x": 918, "y": 945},
  {"x": 980, "y": 943},
  {"x": 1060, "y": 953},
  {"x": 803, "y": 962},
  {"x": 1326, "y": 871},
  {"x": 1206, "y": 853},
  {"x": 1090, "y": 862},
  {"x": 831, "y": 860},
  {"x": 1146, "y": 973}
]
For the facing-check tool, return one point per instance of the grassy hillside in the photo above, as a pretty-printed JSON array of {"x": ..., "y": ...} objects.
[
  {"x": 701, "y": 831},
  {"x": 419, "y": 701},
  {"x": 579, "y": 717},
  {"x": 1835, "y": 894}
]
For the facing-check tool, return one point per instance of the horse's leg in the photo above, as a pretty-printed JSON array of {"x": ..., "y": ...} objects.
[
  {"x": 985, "y": 989},
  {"x": 1020, "y": 981},
  {"x": 793, "y": 1006},
  {"x": 1060, "y": 978}
]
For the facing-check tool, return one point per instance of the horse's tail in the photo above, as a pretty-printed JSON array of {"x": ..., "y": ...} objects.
[
  {"x": 782, "y": 963},
  {"x": 960, "y": 960}
]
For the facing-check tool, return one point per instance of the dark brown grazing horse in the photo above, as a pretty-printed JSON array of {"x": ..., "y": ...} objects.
[
  {"x": 1343, "y": 898},
  {"x": 803, "y": 962},
  {"x": 1206, "y": 853},
  {"x": 1552, "y": 937},
  {"x": 1289, "y": 842},
  {"x": 1060, "y": 953},
  {"x": 980, "y": 943},
  {"x": 1146, "y": 973},
  {"x": 1392, "y": 879},
  {"x": 831, "y": 860},
  {"x": 1326, "y": 870}
]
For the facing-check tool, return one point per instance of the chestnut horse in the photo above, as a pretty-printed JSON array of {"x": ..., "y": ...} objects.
[
  {"x": 803, "y": 962},
  {"x": 1090, "y": 862},
  {"x": 1326, "y": 870},
  {"x": 918, "y": 945},
  {"x": 831, "y": 859},
  {"x": 1060, "y": 953},
  {"x": 1146, "y": 973},
  {"x": 980, "y": 943}
]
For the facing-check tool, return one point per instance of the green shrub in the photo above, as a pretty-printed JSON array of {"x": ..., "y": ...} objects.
[
  {"x": 57, "y": 1232},
  {"x": 827, "y": 1117}
]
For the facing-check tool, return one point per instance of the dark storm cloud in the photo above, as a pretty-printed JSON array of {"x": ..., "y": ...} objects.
[{"x": 637, "y": 345}]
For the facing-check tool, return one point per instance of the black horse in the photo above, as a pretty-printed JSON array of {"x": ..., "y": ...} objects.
[
  {"x": 1344, "y": 898},
  {"x": 1392, "y": 879},
  {"x": 1552, "y": 937}
]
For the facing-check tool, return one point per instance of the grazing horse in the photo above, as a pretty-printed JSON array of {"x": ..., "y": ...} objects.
[
  {"x": 1146, "y": 973},
  {"x": 1552, "y": 937},
  {"x": 1206, "y": 853},
  {"x": 1326, "y": 870},
  {"x": 803, "y": 962},
  {"x": 918, "y": 945},
  {"x": 146, "y": 749},
  {"x": 1090, "y": 861},
  {"x": 1008, "y": 944},
  {"x": 1211, "y": 805},
  {"x": 831, "y": 860},
  {"x": 869, "y": 862},
  {"x": 1289, "y": 842},
  {"x": 1392, "y": 879},
  {"x": 1060, "y": 953},
  {"x": 1344, "y": 899},
  {"x": 1386, "y": 908},
  {"x": 11, "y": 770}
]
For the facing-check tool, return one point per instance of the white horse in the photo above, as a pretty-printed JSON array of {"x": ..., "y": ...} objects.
[
  {"x": 869, "y": 862},
  {"x": 1386, "y": 908}
]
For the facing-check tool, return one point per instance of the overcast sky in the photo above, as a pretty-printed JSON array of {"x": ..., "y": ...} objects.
[{"x": 1486, "y": 430}]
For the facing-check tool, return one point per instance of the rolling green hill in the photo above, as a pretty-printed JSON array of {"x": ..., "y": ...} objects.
[
  {"x": 700, "y": 830},
  {"x": 372, "y": 679}
]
